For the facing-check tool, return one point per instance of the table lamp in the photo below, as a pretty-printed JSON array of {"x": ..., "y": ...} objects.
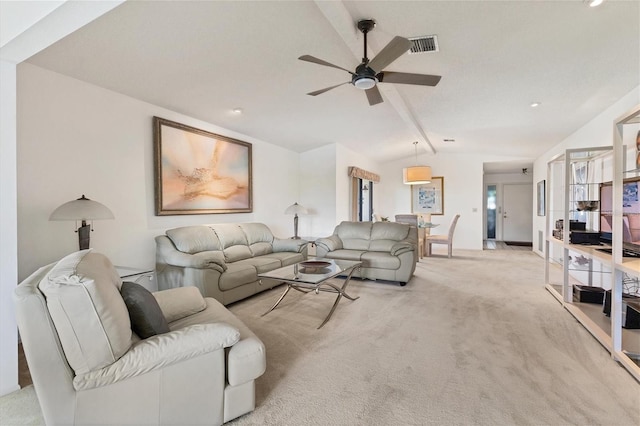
[
  {"x": 82, "y": 209},
  {"x": 294, "y": 209}
]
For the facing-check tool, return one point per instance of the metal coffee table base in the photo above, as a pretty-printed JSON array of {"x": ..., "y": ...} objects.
[{"x": 307, "y": 288}]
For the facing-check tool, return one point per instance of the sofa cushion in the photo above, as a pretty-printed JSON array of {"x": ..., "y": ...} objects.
[
  {"x": 286, "y": 258},
  {"x": 237, "y": 274},
  {"x": 354, "y": 235},
  {"x": 384, "y": 235},
  {"x": 259, "y": 249},
  {"x": 236, "y": 253},
  {"x": 90, "y": 317},
  {"x": 194, "y": 239},
  {"x": 345, "y": 254},
  {"x": 234, "y": 241},
  {"x": 389, "y": 231},
  {"x": 179, "y": 302},
  {"x": 146, "y": 316},
  {"x": 380, "y": 260},
  {"x": 246, "y": 360},
  {"x": 259, "y": 238},
  {"x": 262, "y": 263}
]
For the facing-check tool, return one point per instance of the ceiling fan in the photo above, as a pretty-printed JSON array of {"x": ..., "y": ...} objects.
[{"x": 370, "y": 72}]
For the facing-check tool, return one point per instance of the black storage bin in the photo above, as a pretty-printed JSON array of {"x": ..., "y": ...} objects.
[
  {"x": 588, "y": 294},
  {"x": 630, "y": 309}
]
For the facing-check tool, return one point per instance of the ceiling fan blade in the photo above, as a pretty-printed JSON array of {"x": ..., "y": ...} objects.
[
  {"x": 392, "y": 51},
  {"x": 374, "y": 96},
  {"x": 408, "y": 78},
  {"x": 326, "y": 89},
  {"x": 315, "y": 60}
]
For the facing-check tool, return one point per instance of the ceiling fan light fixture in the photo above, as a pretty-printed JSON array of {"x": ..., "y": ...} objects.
[{"x": 365, "y": 83}]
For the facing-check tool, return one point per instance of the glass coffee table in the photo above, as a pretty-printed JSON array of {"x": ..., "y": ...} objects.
[{"x": 314, "y": 275}]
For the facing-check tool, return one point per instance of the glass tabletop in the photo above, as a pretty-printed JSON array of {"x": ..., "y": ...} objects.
[
  {"x": 311, "y": 271},
  {"x": 428, "y": 225}
]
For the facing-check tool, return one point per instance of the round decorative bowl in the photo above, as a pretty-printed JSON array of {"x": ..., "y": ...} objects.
[{"x": 315, "y": 266}]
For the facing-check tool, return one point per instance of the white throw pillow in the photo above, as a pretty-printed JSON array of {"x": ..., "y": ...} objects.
[{"x": 90, "y": 316}]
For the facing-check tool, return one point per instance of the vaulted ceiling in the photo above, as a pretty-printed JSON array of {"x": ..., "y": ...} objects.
[{"x": 206, "y": 58}]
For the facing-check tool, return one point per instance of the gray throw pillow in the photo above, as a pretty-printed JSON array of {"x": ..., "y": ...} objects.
[{"x": 146, "y": 317}]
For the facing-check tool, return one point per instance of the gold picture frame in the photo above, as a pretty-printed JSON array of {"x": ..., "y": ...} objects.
[
  {"x": 199, "y": 172},
  {"x": 428, "y": 197}
]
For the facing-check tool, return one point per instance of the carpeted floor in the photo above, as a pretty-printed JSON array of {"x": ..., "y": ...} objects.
[{"x": 475, "y": 339}]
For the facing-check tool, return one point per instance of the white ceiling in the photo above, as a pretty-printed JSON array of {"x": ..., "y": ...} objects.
[{"x": 496, "y": 57}]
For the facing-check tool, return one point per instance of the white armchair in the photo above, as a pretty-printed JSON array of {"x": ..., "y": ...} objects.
[{"x": 89, "y": 367}]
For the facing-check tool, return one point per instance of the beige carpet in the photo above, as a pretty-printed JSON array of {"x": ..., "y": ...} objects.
[
  {"x": 470, "y": 340},
  {"x": 475, "y": 339}
]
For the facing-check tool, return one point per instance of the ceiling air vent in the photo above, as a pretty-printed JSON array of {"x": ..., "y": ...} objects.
[{"x": 424, "y": 44}]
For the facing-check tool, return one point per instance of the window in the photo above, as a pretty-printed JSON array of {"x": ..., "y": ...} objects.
[{"x": 365, "y": 200}]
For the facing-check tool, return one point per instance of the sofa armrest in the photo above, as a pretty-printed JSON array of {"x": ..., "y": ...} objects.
[
  {"x": 161, "y": 350},
  {"x": 180, "y": 302},
  {"x": 289, "y": 244},
  {"x": 203, "y": 260},
  {"x": 329, "y": 243},
  {"x": 401, "y": 247}
]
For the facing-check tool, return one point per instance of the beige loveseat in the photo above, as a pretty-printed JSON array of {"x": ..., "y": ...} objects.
[
  {"x": 89, "y": 367},
  {"x": 223, "y": 260},
  {"x": 388, "y": 250}
]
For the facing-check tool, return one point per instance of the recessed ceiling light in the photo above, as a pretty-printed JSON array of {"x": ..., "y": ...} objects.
[
  {"x": 594, "y": 3},
  {"x": 237, "y": 110},
  {"x": 535, "y": 104}
]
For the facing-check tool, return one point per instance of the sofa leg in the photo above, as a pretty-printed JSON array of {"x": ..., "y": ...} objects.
[{"x": 402, "y": 284}]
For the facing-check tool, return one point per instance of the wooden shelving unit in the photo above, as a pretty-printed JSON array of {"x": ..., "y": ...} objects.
[{"x": 576, "y": 176}]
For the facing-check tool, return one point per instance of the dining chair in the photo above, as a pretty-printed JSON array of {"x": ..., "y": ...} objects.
[
  {"x": 412, "y": 219},
  {"x": 442, "y": 239}
]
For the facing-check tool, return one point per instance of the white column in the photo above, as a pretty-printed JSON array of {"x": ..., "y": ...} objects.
[{"x": 8, "y": 229}]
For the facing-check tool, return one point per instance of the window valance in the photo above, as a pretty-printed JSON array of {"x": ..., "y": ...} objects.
[{"x": 363, "y": 174}]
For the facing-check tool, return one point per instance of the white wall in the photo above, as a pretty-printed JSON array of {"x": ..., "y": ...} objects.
[
  {"x": 26, "y": 29},
  {"x": 8, "y": 234},
  {"x": 317, "y": 192},
  {"x": 463, "y": 193},
  {"x": 75, "y": 138},
  {"x": 597, "y": 132}
]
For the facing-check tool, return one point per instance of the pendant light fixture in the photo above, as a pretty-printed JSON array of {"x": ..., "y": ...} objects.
[{"x": 416, "y": 175}]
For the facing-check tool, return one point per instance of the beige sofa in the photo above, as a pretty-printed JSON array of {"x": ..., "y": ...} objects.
[
  {"x": 89, "y": 367},
  {"x": 388, "y": 250},
  {"x": 223, "y": 260}
]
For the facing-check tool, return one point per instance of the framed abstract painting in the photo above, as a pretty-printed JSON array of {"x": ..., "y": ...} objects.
[
  {"x": 199, "y": 172},
  {"x": 428, "y": 197}
]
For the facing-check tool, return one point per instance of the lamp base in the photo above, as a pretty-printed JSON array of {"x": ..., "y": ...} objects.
[
  {"x": 84, "y": 235},
  {"x": 295, "y": 227}
]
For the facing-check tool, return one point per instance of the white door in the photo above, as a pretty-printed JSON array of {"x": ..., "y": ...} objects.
[{"x": 517, "y": 212}]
